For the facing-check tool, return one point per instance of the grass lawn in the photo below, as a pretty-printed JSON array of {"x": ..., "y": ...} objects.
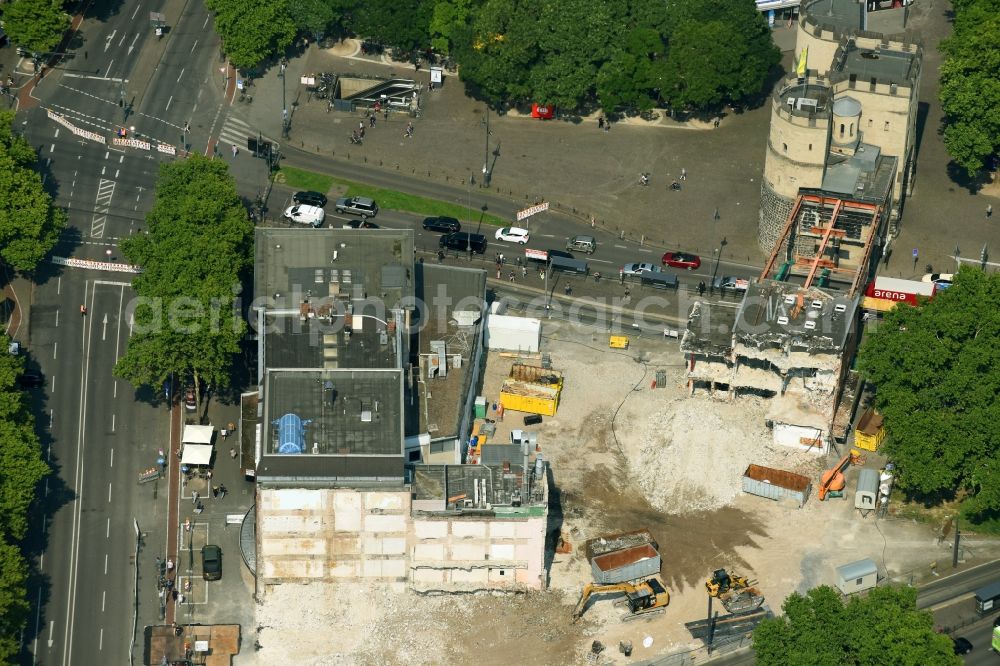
[{"x": 392, "y": 199}]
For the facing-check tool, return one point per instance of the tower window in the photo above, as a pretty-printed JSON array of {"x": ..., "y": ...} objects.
[
  {"x": 886, "y": 127},
  {"x": 841, "y": 129}
]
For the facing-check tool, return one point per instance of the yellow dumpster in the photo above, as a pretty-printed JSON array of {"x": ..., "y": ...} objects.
[
  {"x": 618, "y": 342},
  {"x": 870, "y": 431}
]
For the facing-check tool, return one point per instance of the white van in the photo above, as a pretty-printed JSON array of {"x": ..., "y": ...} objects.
[{"x": 305, "y": 214}]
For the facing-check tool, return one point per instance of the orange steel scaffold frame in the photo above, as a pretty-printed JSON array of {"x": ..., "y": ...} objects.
[{"x": 826, "y": 232}]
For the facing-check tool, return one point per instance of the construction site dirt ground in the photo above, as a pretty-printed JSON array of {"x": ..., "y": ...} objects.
[{"x": 624, "y": 456}]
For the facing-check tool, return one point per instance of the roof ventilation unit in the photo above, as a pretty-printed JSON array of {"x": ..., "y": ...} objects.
[{"x": 783, "y": 320}]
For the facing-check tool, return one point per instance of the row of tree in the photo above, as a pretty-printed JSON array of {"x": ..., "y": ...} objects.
[
  {"x": 29, "y": 224},
  {"x": 883, "y": 628},
  {"x": 197, "y": 248},
  {"x": 36, "y": 25},
  {"x": 970, "y": 95},
  {"x": 625, "y": 55},
  {"x": 936, "y": 372},
  {"x": 21, "y": 471}
]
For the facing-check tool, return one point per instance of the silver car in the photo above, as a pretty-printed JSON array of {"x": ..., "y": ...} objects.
[{"x": 639, "y": 268}]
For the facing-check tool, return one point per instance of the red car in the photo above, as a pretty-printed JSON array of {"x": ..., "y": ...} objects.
[{"x": 681, "y": 260}]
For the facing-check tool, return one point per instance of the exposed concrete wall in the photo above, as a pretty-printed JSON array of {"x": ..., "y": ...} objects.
[
  {"x": 324, "y": 534},
  {"x": 451, "y": 554}
]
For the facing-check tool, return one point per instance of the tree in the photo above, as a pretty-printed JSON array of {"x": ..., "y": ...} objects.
[
  {"x": 402, "y": 24},
  {"x": 252, "y": 30},
  {"x": 970, "y": 92},
  {"x": 720, "y": 52},
  {"x": 447, "y": 20},
  {"x": 29, "y": 224},
  {"x": 883, "y": 628},
  {"x": 312, "y": 16},
  {"x": 21, "y": 471},
  {"x": 198, "y": 246},
  {"x": 936, "y": 369},
  {"x": 37, "y": 25}
]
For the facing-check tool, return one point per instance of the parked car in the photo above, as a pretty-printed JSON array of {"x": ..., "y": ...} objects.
[
  {"x": 582, "y": 243},
  {"x": 211, "y": 562},
  {"x": 940, "y": 280},
  {"x": 30, "y": 380},
  {"x": 305, "y": 214},
  {"x": 962, "y": 645},
  {"x": 311, "y": 198},
  {"x": 513, "y": 235},
  {"x": 362, "y": 206},
  {"x": 730, "y": 282},
  {"x": 360, "y": 224},
  {"x": 681, "y": 260},
  {"x": 463, "y": 242},
  {"x": 444, "y": 225},
  {"x": 639, "y": 268}
]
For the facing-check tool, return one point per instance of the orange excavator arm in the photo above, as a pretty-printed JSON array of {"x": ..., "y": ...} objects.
[
  {"x": 590, "y": 590},
  {"x": 830, "y": 475}
]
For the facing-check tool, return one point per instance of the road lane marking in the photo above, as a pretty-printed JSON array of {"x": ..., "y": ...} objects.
[
  {"x": 58, "y": 288},
  {"x": 105, "y": 564},
  {"x": 600, "y": 261},
  {"x": 642, "y": 249},
  {"x": 100, "y": 641},
  {"x": 109, "y": 502},
  {"x": 104, "y": 599},
  {"x": 54, "y": 136},
  {"x": 180, "y": 75},
  {"x": 109, "y": 65},
  {"x": 168, "y": 103},
  {"x": 136, "y": 9},
  {"x": 624, "y": 247},
  {"x": 111, "y": 463},
  {"x": 194, "y": 46},
  {"x": 52, "y": 148},
  {"x": 132, "y": 45},
  {"x": 55, "y": 349},
  {"x": 107, "y": 528},
  {"x": 52, "y": 624},
  {"x": 77, "y": 509}
]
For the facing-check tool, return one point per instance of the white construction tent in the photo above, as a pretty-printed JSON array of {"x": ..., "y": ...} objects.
[
  {"x": 197, "y": 445},
  {"x": 520, "y": 334}
]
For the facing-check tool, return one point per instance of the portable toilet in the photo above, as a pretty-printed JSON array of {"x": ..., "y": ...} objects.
[
  {"x": 857, "y": 576},
  {"x": 867, "y": 492}
]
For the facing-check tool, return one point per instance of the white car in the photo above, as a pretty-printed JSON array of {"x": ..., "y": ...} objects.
[
  {"x": 513, "y": 235},
  {"x": 306, "y": 214},
  {"x": 940, "y": 280},
  {"x": 639, "y": 269}
]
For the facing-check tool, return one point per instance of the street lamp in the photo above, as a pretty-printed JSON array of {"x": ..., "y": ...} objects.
[
  {"x": 284, "y": 104},
  {"x": 486, "y": 156}
]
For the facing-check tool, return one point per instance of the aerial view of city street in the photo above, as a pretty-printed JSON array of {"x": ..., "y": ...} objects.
[{"x": 499, "y": 332}]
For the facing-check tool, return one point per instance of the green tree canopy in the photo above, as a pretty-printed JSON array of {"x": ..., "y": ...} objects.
[
  {"x": 29, "y": 224},
  {"x": 21, "y": 471},
  {"x": 252, "y": 30},
  {"x": 198, "y": 246},
  {"x": 882, "y": 629},
  {"x": 403, "y": 24},
  {"x": 936, "y": 370},
  {"x": 970, "y": 89},
  {"x": 37, "y": 25},
  {"x": 312, "y": 16}
]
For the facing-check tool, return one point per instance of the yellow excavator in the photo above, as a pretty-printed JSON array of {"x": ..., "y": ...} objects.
[
  {"x": 737, "y": 593},
  {"x": 648, "y": 597}
]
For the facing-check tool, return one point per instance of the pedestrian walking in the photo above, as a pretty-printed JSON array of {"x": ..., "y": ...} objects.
[
  {"x": 215, "y": 492},
  {"x": 989, "y": 211},
  {"x": 628, "y": 292},
  {"x": 600, "y": 122},
  {"x": 361, "y": 126},
  {"x": 194, "y": 498},
  {"x": 716, "y": 216},
  {"x": 170, "y": 565},
  {"x": 524, "y": 271},
  {"x": 701, "y": 288},
  {"x": 498, "y": 272},
  {"x": 715, "y": 123},
  {"x": 512, "y": 276},
  {"x": 503, "y": 259},
  {"x": 222, "y": 491},
  {"x": 440, "y": 256},
  {"x": 232, "y": 452},
  {"x": 568, "y": 290},
  {"x": 684, "y": 174},
  {"x": 236, "y": 150},
  {"x": 371, "y": 121}
]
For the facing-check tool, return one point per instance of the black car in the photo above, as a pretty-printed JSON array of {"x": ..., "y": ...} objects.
[
  {"x": 310, "y": 198},
  {"x": 444, "y": 225},
  {"x": 211, "y": 562},
  {"x": 30, "y": 380},
  {"x": 962, "y": 645},
  {"x": 463, "y": 242},
  {"x": 360, "y": 224}
]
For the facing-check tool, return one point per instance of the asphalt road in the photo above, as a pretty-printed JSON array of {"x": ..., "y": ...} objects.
[
  {"x": 101, "y": 434},
  {"x": 980, "y": 635}
]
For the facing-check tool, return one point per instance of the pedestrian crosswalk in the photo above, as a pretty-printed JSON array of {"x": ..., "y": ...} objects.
[
  {"x": 102, "y": 204},
  {"x": 235, "y": 132}
]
